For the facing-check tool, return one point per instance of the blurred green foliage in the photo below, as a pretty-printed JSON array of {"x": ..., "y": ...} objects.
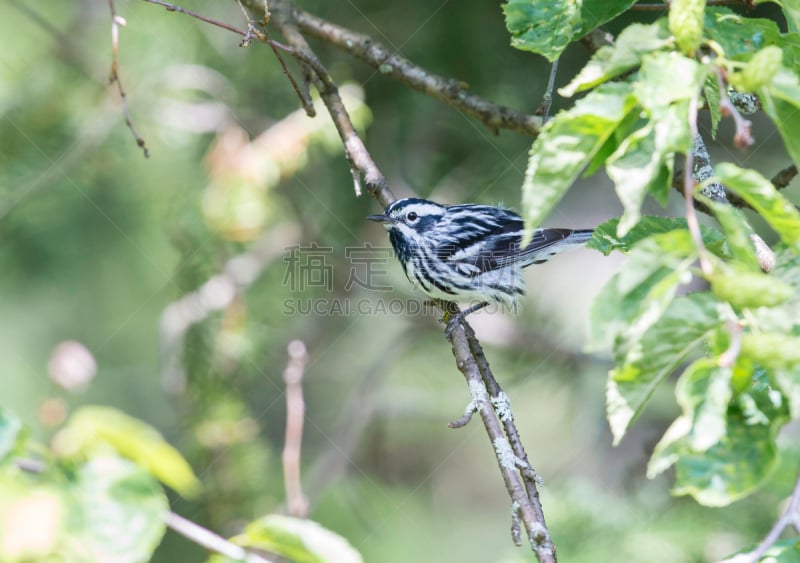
[{"x": 96, "y": 242}]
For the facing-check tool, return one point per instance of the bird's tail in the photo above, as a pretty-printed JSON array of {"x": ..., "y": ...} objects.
[{"x": 549, "y": 242}]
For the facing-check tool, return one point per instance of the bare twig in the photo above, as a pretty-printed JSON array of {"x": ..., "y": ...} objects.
[
  {"x": 742, "y": 137},
  {"x": 209, "y": 540},
  {"x": 523, "y": 508},
  {"x": 356, "y": 152},
  {"x": 790, "y": 517},
  {"x": 113, "y": 77},
  {"x": 547, "y": 101},
  {"x": 173, "y": 8},
  {"x": 728, "y": 358},
  {"x": 373, "y": 53},
  {"x": 784, "y": 177},
  {"x": 295, "y": 415}
]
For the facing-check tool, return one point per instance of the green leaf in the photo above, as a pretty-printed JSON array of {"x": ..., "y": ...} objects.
[
  {"x": 12, "y": 435},
  {"x": 302, "y": 541},
  {"x": 32, "y": 520},
  {"x": 96, "y": 429},
  {"x": 643, "y": 162},
  {"x": 744, "y": 289},
  {"x": 781, "y": 101},
  {"x": 567, "y": 144},
  {"x": 123, "y": 509},
  {"x": 791, "y": 9},
  {"x": 686, "y": 23},
  {"x": 740, "y": 461},
  {"x": 773, "y": 350},
  {"x": 788, "y": 380},
  {"x": 711, "y": 91},
  {"x": 760, "y": 71},
  {"x": 729, "y": 470},
  {"x": 650, "y": 356},
  {"x": 737, "y": 231},
  {"x": 740, "y": 37},
  {"x": 595, "y": 13},
  {"x": 543, "y": 27},
  {"x": 656, "y": 86},
  {"x": 626, "y": 54},
  {"x": 546, "y": 27},
  {"x": 703, "y": 391},
  {"x": 764, "y": 198},
  {"x": 606, "y": 240}
]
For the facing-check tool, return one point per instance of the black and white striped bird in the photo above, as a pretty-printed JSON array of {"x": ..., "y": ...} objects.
[{"x": 469, "y": 253}]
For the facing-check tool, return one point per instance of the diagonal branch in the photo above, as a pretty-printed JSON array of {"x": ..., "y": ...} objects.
[{"x": 381, "y": 58}]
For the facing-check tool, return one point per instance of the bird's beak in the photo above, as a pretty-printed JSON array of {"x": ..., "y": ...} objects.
[{"x": 380, "y": 218}]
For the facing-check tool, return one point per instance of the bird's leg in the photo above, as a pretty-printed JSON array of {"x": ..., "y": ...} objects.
[{"x": 455, "y": 319}]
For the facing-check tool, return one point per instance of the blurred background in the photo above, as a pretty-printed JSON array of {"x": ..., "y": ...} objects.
[{"x": 123, "y": 254}]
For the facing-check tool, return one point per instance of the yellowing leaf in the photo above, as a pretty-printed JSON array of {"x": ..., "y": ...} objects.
[{"x": 95, "y": 429}]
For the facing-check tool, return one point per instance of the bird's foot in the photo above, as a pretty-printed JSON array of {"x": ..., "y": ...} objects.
[{"x": 453, "y": 319}]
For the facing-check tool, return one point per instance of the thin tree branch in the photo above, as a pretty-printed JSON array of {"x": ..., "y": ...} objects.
[
  {"x": 113, "y": 77},
  {"x": 209, "y": 540},
  {"x": 523, "y": 508},
  {"x": 548, "y": 94},
  {"x": 356, "y": 152},
  {"x": 173, "y": 8},
  {"x": 378, "y": 56},
  {"x": 295, "y": 415},
  {"x": 790, "y": 517},
  {"x": 784, "y": 177}
]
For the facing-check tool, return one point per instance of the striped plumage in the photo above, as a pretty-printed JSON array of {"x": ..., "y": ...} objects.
[{"x": 469, "y": 252}]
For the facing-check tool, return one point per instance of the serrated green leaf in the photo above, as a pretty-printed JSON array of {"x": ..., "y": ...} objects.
[
  {"x": 567, "y": 144},
  {"x": 759, "y": 192},
  {"x": 772, "y": 350},
  {"x": 123, "y": 510},
  {"x": 712, "y": 94},
  {"x": 760, "y": 71},
  {"x": 729, "y": 470},
  {"x": 788, "y": 380},
  {"x": 737, "y": 231},
  {"x": 656, "y": 86},
  {"x": 643, "y": 162},
  {"x": 650, "y": 356},
  {"x": 12, "y": 435},
  {"x": 543, "y": 27},
  {"x": 740, "y": 37},
  {"x": 626, "y": 54},
  {"x": 781, "y": 101},
  {"x": 546, "y": 27},
  {"x": 96, "y": 429},
  {"x": 301, "y": 540},
  {"x": 595, "y": 13},
  {"x": 703, "y": 392},
  {"x": 686, "y": 23},
  {"x": 746, "y": 289},
  {"x": 606, "y": 240}
]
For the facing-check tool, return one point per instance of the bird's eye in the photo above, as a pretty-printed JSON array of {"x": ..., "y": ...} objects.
[{"x": 412, "y": 216}]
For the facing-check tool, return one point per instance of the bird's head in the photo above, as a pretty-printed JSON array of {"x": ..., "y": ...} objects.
[{"x": 410, "y": 217}]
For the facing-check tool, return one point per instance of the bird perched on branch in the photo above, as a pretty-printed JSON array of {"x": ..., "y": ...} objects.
[{"x": 469, "y": 252}]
